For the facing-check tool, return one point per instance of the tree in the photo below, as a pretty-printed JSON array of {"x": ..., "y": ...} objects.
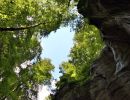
[
  {"x": 87, "y": 47},
  {"x": 22, "y": 24}
]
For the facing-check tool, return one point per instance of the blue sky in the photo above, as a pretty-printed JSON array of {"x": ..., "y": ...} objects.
[{"x": 57, "y": 47}]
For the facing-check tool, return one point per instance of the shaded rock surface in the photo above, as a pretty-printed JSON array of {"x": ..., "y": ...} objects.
[
  {"x": 74, "y": 92},
  {"x": 111, "y": 71}
]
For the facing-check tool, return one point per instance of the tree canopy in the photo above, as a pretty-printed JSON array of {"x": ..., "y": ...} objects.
[
  {"x": 22, "y": 25},
  {"x": 87, "y": 46}
]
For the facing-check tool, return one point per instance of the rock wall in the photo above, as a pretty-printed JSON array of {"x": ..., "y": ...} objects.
[
  {"x": 74, "y": 92},
  {"x": 112, "y": 17},
  {"x": 111, "y": 71},
  {"x": 106, "y": 83}
]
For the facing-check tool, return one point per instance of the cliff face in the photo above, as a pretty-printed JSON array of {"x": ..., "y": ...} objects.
[
  {"x": 74, "y": 92},
  {"x": 106, "y": 83},
  {"x": 111, "y": 71}
]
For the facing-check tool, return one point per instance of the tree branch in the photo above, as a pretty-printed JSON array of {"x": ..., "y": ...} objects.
[{"x": 18, "y": 28}]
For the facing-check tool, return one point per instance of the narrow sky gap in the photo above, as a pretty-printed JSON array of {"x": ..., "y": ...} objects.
[{"x": 57, "y": 47}]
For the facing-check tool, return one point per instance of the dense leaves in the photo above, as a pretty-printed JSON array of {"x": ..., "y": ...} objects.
[
  {"x": 22, "y": 24},
  {"x": 42, "y": 71},
  {"x": 87, "y": 46}
]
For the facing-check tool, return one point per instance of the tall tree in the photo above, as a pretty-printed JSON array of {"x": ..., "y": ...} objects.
[{"x": 22, "y": 24}]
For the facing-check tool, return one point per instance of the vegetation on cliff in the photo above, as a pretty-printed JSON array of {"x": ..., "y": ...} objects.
[{"x": 87, "y": 47}]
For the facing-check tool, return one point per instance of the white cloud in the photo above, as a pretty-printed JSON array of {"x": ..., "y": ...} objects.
[
  {"x": 53, "y": 84},
  {"x": 43, "y": 92}
]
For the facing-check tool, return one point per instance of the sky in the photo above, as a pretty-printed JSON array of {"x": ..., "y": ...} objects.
[{"x": 56, "y": 47}]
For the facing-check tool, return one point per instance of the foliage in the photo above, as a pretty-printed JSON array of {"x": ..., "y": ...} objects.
[
  {"x": 48, "y": 15},
  {"x": 42, "y": 71},
  {"x": 22, "y": 24},
  {"x": 87, "y": 46}
]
